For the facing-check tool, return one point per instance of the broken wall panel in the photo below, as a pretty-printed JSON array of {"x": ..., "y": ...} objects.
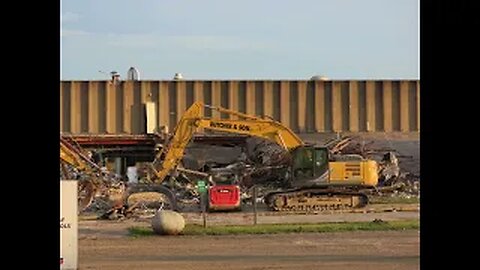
[
  {"x": 268, "y": 99},
  {"x": 319, "y": 108},
  {"x": 353, "y": 106},
  {"x": 75, "y": 107},
  {"x": 301, "y": 110}
]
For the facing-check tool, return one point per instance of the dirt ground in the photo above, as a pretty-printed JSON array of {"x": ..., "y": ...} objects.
[{"x": 347, "y": 250}]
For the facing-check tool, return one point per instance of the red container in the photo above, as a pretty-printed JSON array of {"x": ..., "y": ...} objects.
[{"x": 224, "y": 197}]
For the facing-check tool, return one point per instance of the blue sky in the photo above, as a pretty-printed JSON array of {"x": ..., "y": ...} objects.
[{"x": 248, "y": 39}]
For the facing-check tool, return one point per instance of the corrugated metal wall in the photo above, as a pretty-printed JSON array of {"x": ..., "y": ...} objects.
[{"x": 305, "y": 106}]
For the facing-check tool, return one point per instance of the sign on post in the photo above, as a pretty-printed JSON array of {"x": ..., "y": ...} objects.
[
  {"x": 201, "y": 186},
  {"x": 202, "y": 189},
  {"x": 68, "y": 225}
]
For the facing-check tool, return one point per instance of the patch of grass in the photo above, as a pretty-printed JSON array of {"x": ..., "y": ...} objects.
[
  {"x": 392, "y": 200},
  {"x": 140, "y": 231},
  {"x": 192, "y": 229}
]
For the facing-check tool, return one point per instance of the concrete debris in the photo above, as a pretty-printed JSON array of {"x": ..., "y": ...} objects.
[
  {"x": 378, "y": 220},
  {"x": 405, "y": 183},
  {"x": 351, "y": 146},
  {"x": 265, "y": 153},
  {"x": 258, "y": 161},
  {"x": 392, "y": 179},
  {"x": 389, "y": 168},
  {"x": 264, "y": 163},
  {"x": 201, "y": 157},
  {"x": 394, "y": 182},
  {"x": 337, "y": 145}
]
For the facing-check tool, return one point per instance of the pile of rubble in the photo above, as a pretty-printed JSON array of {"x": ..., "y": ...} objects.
[
  {"x": 392, "y": 180},
  {"x": 257, "y": 162},
  {"x": 264, "y": 163},
  {"x": 353, "y": 146}
]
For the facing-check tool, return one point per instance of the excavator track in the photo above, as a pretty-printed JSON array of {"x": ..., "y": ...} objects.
[{"x": 315, "y": 200}]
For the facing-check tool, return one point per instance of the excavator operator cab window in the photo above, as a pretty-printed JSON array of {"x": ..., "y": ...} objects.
[
  {"x": 310, "y": 162},
  {"x": 303, "y": 163},
  {"x": 321, "y": 161}
]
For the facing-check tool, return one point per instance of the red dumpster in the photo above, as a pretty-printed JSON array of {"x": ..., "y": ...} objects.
[{"x": 224, "y": 197}]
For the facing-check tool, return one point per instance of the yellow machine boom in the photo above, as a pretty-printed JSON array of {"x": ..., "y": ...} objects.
[
  {"x": 93, "y": 183},
  {"x": 74, "y": 157},
  {"x": 192, "y": 119}
]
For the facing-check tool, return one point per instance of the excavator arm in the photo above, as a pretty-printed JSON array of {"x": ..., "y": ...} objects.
[
  {"x": 74, "y": 157},
  {"x": 266, "y": 129},
  {"x": 193, "y": 118},
  {"x": 168, "y": 158}
]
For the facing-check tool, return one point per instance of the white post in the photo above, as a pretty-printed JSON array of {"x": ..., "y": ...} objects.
[
  {"x": 151, "y": 122},
  {"x": 68, "y": 225}
]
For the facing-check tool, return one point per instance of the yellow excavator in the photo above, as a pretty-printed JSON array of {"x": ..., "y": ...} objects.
[
  {"x": 316, "y": 182},
  {"x": 72, "y": 156},
  {"x": 94, "y": 182}
]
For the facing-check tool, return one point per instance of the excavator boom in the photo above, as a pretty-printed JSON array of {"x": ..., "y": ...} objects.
[
  {"x": 94, "y": 181},
  {"x": 72, "y": 156},
  {"x": 193, "y": 119}
]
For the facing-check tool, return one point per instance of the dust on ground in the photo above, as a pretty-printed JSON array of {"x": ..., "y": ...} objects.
[{"x": 347, "y": 250}]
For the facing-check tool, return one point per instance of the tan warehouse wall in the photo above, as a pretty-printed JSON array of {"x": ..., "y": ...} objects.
[{"x": 304, "y": 106}]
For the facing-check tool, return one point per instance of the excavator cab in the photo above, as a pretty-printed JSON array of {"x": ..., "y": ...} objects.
[{"x": 310, "y": 166}]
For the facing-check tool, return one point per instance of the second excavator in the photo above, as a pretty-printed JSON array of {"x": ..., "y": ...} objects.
[{"x": 315, "y": 181}]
